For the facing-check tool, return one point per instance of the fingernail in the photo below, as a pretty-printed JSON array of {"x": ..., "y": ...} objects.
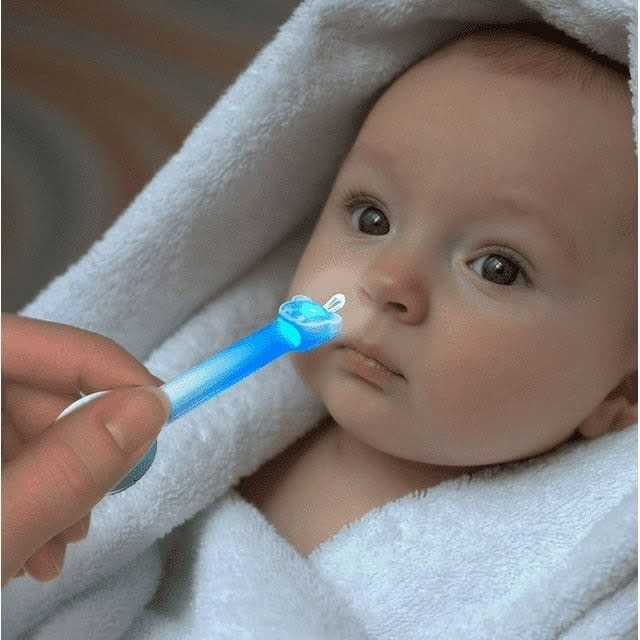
[{"x": 139, "y": 418}]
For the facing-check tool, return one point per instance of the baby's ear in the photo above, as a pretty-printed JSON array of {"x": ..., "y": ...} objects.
[{"x": 617, "y": 411}]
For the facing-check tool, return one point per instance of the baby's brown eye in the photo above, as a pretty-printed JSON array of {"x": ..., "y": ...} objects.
[
  {"x": 499, "y": 270},
  {"x": 370, "y": 220}
]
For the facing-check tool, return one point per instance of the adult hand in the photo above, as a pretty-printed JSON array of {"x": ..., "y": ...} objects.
[{"x": 52, "y": 475}]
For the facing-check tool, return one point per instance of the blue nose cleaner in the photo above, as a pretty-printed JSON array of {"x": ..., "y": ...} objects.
[{"x": 300, "y": 325}]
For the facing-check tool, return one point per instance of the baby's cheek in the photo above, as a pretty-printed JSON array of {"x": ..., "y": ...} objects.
[
  {"x": 488, "y": 380},
  {"x": 305, "y": 367},
  {"x": 312, "y": 366}
]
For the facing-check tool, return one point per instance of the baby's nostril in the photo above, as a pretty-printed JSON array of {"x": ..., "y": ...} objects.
[{"x": 397, "y": 306}]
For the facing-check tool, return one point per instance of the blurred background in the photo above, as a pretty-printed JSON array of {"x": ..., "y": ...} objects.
[{"x": 96, "y": 96}]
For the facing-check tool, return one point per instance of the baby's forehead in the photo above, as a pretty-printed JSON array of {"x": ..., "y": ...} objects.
[
  {"x": 539, "y": 52},
  {"x": 507, "y": 52}
]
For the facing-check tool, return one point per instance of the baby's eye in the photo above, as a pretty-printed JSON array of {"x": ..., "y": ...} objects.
[
  {"x": 500, "y": 269},
  {"x": 370, "y": 220}
]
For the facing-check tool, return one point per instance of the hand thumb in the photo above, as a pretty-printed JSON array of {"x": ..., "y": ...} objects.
[{"x": 64, "y": 472}]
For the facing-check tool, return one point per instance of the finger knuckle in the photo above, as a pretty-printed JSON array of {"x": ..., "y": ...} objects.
[{"x": 74, "y": 476}]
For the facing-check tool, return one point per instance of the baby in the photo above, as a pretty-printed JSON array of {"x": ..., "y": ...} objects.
[{"x": 483, "y": 230}]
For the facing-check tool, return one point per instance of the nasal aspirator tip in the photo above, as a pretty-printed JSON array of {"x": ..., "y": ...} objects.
[{"x": 335, "y": 302}]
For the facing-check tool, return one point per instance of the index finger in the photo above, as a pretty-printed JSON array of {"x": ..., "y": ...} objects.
[{"x": 66, "y": 359}]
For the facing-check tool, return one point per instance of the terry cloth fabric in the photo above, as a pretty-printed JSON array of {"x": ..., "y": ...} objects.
[{"x": 544, "y": 549}]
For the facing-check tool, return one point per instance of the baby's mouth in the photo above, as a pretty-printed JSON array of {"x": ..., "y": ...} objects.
[{"x": 368, "y": 361}]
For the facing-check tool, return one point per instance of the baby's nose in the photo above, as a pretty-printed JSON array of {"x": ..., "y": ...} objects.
[{"x": 394, "y": 282}]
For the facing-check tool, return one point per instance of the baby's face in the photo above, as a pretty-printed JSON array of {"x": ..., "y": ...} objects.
[{"x": 482, "y": 231}]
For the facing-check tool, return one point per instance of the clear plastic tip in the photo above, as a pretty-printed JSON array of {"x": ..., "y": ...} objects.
[{"x": 335, "y": 302}]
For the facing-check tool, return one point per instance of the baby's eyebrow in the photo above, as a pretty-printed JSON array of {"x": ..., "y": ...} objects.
[
  {"x": 375, "y": 158},
  {"x": 372, "y": 153},
  {"x": 545, "y": 218}
]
